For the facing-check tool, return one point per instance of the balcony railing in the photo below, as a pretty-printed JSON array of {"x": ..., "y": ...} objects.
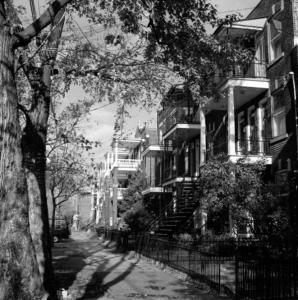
[
  {"x": 242, "y": 147},
  {"x": 127, "y": 163},
  {"x": 180, "y": 116},
  {"x": 254, "y": 70},
  {"x": 253, "y": 146},
  {"x": 155, "y": 145}
]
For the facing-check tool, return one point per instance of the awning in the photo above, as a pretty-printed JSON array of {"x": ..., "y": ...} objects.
[{"x": 241, "y": 27}]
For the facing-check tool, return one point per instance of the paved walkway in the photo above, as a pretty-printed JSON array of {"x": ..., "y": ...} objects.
[{"x": 89, "y": 269}]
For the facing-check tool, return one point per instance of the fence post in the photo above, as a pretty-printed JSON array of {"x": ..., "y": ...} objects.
[
  {"x": 189, "y": 259},
  {"x": 236, "y": 274},
  {"x": 168, "y": 252},
  {"x": 295, "y": 275}
]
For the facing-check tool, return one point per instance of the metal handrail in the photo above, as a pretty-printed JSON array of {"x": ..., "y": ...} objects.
[{"x": 152, "y": 225}]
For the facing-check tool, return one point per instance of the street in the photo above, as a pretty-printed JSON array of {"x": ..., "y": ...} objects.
[{"x": 90, "y": 269}]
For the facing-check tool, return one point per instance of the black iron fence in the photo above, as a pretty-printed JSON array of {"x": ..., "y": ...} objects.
[
  {"x": 244, "y": 267},
  {"x": 185, "y": 257},
  {"x": 266, "y": 279}
]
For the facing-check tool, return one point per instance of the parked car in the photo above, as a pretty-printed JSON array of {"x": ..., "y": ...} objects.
[{"x": 61, "y": 230}]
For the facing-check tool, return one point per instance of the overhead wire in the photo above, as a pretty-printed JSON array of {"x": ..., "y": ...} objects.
[
  {"x": 42, "y": 44},
  {"x": 235, "y": 10}
]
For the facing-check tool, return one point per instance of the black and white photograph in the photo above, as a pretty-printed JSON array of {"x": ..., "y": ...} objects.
[{"x": 148, "y": 149}]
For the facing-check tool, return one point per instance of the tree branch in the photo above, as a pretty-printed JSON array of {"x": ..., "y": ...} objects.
[{"x": 24, "y": 37}]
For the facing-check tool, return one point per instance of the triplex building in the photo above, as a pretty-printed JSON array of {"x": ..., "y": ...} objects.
[
  {"x": 253, "y": 115},
  {"x": 115, "y": 171}
]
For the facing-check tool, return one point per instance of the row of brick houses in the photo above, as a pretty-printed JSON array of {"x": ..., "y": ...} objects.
[{"x": 254, "y": 117}]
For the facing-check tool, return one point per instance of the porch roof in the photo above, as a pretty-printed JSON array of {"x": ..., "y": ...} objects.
[{"x": 241, "y": 27}]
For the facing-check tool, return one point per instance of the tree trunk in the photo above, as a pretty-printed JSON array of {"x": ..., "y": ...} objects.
[
  {"x": 34, "y": 152},
  {"x": 34, "y": 149},
  {"x": 53, "y": 219},
  {"x": 19, "y": 276}
]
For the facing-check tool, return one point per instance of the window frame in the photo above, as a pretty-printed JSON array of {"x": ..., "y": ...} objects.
[
  {"x": 272, "y": 41},
  {"x": 278, "y": 113}
]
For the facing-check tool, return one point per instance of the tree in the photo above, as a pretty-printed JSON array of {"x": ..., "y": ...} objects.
[
  {"x": 132, "y": 208},
  {"x": 133, "y": 193},
  {"x": 71, "y": 165},
  {"x": 68, "y": 175},
  {"x": 17, "y": 258},
  {"x": 240, "y": 189}
]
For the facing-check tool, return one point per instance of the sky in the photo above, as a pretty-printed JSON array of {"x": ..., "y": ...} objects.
[{"x": 100, "y": 123}]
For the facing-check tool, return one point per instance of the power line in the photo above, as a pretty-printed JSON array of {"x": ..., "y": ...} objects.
[
  {"x": 103, "y": 106},
  {"x": 235, "y": 10},
  {"x": 83, "y": 33}
]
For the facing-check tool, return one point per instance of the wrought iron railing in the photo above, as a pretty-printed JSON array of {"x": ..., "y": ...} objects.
[
  {"x": 253, "y": 146},
  {"x": 177, "y": 204},
  {"x": 243, "y": 147},
  {"x": 181, "y": 115},
  {"x": 253, "y": 70},
  {"x": 241, "y": 267}
]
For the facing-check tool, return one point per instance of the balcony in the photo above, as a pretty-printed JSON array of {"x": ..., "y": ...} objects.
[
  {"x": 182, "y": 123},
  {"x": 153, "y": 150},
  {"x": 252, "y": 149},
  {"x": 256, "y": 70},
  {"x": 248, "y": 82},
  {"x": 127, "y": 164},
  {"x": 152, "y": 186}
]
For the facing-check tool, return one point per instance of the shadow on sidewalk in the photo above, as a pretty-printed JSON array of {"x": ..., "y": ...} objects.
[
  {"x": 95, "y": 287},
  {"x": 80, "y": 267}
]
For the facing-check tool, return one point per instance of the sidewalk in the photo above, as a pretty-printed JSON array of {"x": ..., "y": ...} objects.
[{"x": 89, "y": 269}]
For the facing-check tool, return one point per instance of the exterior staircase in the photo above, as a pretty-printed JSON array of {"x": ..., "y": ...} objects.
[{"x": 178, "y": 212}]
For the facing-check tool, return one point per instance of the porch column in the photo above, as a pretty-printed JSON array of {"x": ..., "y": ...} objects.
[
  {"x": 115, "y": 198},
  {"x": 98, "y": 206},
  {"x": 260, "y": 127},
  {"x": 116, "y": 152},
  {"x": 202, "y": 137},
  {"x": 108, "y": 162},
  {"x": 231, "y": 122},
  {"x": 93, "y": 203}
]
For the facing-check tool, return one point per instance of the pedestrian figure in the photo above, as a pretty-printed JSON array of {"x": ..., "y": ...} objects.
[{"x": 76, "y": 221}]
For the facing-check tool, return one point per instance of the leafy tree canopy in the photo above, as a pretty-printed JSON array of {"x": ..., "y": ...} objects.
[{"x": 241, "y": 188}]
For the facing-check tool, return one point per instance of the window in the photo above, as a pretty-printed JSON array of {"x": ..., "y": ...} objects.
[
  {"x": 282, "y": 182},
  {"x": 279, "y": 115},
  {"x": 275, "y": 30}
]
